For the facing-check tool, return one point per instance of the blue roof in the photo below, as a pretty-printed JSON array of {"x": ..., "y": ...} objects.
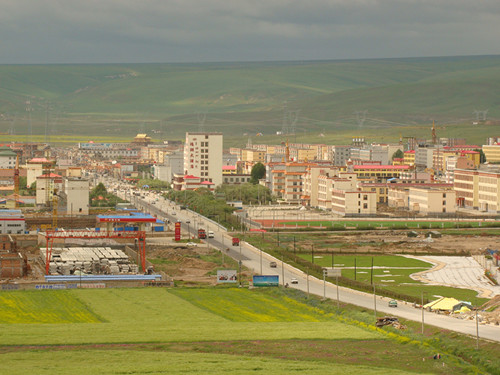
[{"x": 132, "y": 215}]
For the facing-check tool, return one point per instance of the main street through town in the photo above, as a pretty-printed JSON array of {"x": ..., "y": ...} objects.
[{"x": 259, "y": 262}]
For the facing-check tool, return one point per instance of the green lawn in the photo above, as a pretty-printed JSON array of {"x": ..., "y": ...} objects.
[{"x": 393, "y": 279}]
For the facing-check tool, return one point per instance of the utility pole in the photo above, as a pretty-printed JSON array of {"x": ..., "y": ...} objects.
[
  {"x": 338, "y": 299},
  {"x": 355, "y": 272},
  {"x": 283, "y": 269},
  {"x": 307, "y": 279},
  {"x": 422, "y": 312},
  {"x": 477, "y": 331},
  {"x": 371, "y": 276},
  {"x": 324, "y": 284}
]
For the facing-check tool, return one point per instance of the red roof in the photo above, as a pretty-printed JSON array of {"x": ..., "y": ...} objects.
[
  {"x": 207, "y": 183},
  {"x": 375, "y": 167},
  {"x": 39, "y": 160},
  {"x": 228, "y": 167},
  {"x": 410, "y": 152},
  {"x": 50, "y": 175},
  {"x": 189, "y": 176}
]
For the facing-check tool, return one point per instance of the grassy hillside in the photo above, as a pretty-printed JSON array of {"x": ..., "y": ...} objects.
[{"x": 246, "y": 97}]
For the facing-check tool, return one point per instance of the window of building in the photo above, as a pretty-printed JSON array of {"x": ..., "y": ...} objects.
[{"x": 365, "y": 205}]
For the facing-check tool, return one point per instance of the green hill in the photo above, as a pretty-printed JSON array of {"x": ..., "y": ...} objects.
[{"x": 242, "y": 98}]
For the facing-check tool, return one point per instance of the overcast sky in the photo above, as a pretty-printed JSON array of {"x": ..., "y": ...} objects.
[{"x": 121, "y": 31}]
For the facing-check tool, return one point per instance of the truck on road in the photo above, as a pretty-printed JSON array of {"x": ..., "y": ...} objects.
[
  {"x": 236, "y": 241},
  {"x": 202, "y": 234}
]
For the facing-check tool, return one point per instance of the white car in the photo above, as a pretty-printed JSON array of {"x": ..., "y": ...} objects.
[
  {"x": 294, "y": 280},
  {"x": 211, "y": 234}
]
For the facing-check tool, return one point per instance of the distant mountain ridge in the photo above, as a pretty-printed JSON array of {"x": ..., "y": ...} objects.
[{"x": 253, "y": 95}]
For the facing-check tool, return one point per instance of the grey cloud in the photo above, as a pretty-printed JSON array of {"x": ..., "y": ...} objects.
[{"x": 215, "y": 30}]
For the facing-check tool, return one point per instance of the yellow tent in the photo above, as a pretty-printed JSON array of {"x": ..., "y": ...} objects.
[{"x": 443, "y": 303}]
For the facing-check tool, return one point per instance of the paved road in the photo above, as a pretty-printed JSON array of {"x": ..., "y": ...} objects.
[{"x": 258, "y": 261}]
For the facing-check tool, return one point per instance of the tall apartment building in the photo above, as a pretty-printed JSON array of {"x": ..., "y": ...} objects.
[
  {"x": 478, "y": 189},
  {"x": 424, "y": 157},
  {"x": 492, "y": 153},
  {"x": 203, "y": 156},
  {"x": 341, "y": 155}
]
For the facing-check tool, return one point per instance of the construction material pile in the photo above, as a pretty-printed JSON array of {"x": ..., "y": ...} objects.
[
  {"x": 489, "y": 313},
  {"x": 89, "y": 260},
  {"x": 389, "y": 321}
]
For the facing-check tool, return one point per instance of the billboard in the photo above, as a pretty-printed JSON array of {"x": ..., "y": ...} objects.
[
  {"x": 227, "y": 276},
  {"x": 177, "y": 231},
  {"x": 266, "y": 280}
]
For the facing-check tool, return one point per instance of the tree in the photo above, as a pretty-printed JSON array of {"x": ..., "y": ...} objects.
[
  {"x": 398, "y": 155},
  {"x": 482, "y": 156},
  {"x": 258, "y": 172}
]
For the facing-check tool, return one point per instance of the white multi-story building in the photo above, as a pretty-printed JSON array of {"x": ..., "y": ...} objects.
[
  {"x": 77, "y": 196},
  {"x": 173, "y": 164},
  {"x": 7, "y": 158},
  {"x": 424, "y": 157},
  {"x": 203, "y": 156},
  {"x": 12, "y": 221},
  {"x": 432, "y": 200}
]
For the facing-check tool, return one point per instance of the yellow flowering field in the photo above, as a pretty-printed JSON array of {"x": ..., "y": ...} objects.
[
  {"x": 242, "y": 305},
  {"x": 44, "y": 306}
]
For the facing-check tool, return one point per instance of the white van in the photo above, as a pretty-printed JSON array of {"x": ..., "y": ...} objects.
[{"x": 210, "y": 234}]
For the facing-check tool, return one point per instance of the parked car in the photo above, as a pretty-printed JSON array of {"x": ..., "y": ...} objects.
[
  {"x": 273, "y": 265},
  {"x": 188, "y": 221},
  {"x": 294, "y": 280}
]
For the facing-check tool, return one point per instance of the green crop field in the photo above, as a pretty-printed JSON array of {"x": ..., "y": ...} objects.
[
  {"x": 390, "y": 224},
  {"x": 204, "y": 330},
  {"x": 401, "y": 96}
]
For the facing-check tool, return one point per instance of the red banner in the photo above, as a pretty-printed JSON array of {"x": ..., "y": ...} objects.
[{"x": 177, "y": 231}]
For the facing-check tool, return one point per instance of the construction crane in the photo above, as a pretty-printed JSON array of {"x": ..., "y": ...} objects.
[
  {"x": 433, "y": 133},
  {"x": 16, "y": 182},
  {"x": 55, "y": 202}
]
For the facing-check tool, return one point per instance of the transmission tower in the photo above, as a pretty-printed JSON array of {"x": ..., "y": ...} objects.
[
  {"x": 361, "y": 117},
  {"x": 480, "y": 115},
  {"x": 47, "y": 123},
  {"x": 201, "y": 122},
  {"x": 12, "y": 125},
  {"x": 29, "y": 109},
  {"x": 284, "y": 128},
  {"x": 293, "y": 117}
]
